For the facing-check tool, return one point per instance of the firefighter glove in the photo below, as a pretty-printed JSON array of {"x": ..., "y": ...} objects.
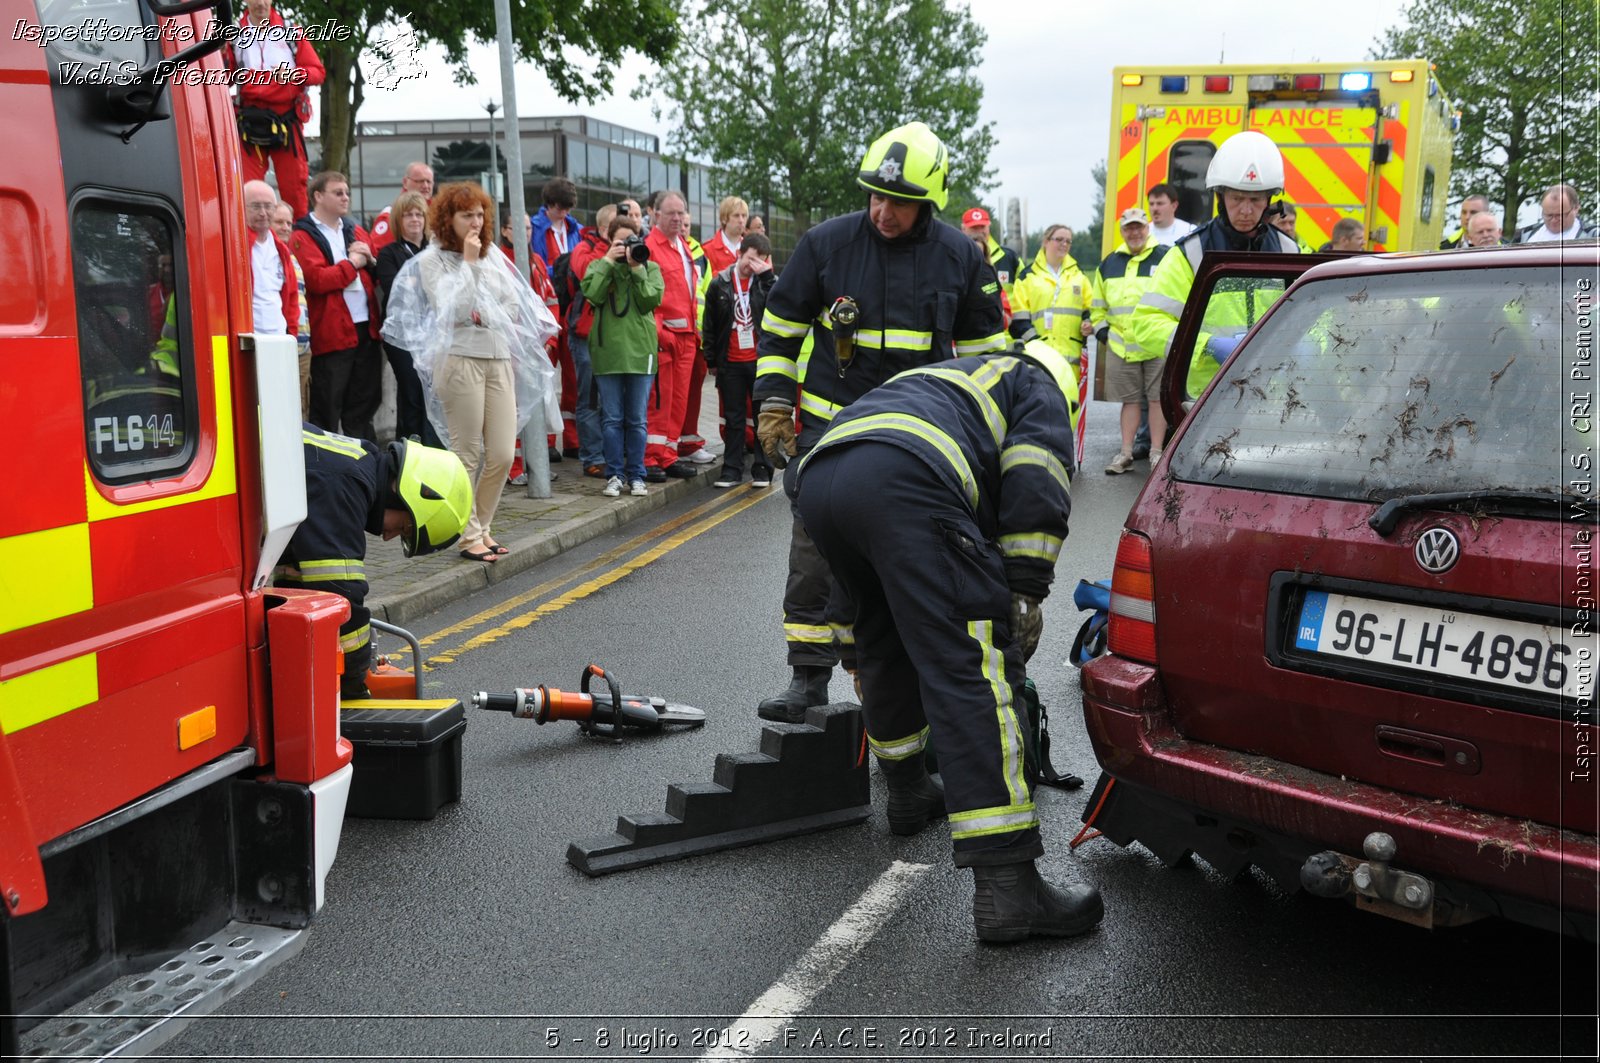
[
  {"x": 1027, "y": 623},
  {"x": 775, "y": 430}
]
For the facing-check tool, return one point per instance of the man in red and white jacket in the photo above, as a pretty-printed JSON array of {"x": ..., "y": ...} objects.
[
  {"x": 418, "y": 179},
  {"x": 282, "y": 66},
  {"x": 677, "y": 332},
  {"x": 274, "y": 291},
  {"x": 346, "y": 363}
]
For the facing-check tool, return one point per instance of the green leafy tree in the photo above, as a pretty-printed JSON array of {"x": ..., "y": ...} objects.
[
  {"x": 785, "y": 95},
  {"x": 550, "y": 35},
  {"x": 1523, "y": 73}
]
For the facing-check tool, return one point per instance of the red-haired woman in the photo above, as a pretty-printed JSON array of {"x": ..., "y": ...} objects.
[{"x": 478, "y": 338}]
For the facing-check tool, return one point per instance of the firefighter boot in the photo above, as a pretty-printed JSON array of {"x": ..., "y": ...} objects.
[
  {"x": 808, "y": 687},
  {"x": 1011, "y": 902},
  {"x": 914, "y": 796}
]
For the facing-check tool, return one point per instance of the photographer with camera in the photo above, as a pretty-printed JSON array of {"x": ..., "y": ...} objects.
[{"x": 624, "y": 286}]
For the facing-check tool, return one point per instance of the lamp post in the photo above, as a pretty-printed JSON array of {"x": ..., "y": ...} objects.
[{"x": 494, "y": 154}]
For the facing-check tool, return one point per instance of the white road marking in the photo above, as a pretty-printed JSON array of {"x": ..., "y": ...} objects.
[{"x": 764, "y": 1021}]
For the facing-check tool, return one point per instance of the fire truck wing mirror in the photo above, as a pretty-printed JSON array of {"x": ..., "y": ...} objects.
[{"x": 140, "y": 100}]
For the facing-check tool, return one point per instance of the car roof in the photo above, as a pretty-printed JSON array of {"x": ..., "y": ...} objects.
[{"x": 1580, "y": 253}]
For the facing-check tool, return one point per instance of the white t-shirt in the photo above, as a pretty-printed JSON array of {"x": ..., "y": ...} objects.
[
  {"x": 1545, "y": 235},
  {"x": 266, "y": 295},
  {"x": 355, "y": 296},
  {"x": 1172, "y": 233}
]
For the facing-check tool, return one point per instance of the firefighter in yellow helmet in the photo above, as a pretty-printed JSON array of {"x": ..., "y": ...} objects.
[
  {"x": 881, "y": 290},
  {"x": 420, "y": 495},
  {"x": 1245, "y": 173}
]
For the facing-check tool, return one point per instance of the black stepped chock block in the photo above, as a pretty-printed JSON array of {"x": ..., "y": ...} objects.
[{"x": 807, "y": 777}]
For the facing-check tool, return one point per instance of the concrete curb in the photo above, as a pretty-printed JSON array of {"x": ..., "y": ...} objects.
[{"x": 440, "y": 589}]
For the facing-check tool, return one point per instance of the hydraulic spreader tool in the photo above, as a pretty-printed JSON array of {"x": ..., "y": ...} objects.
[{"x": 601, "y": 713}]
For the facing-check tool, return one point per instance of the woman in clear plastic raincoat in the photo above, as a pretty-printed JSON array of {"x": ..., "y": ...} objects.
[{"x": 478, "y": 336}]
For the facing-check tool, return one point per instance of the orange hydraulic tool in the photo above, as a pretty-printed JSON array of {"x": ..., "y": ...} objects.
[{"x": 603, "y": 713}]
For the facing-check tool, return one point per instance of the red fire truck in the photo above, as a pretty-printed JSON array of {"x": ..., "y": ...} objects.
[{"x": 172, "y": 778}]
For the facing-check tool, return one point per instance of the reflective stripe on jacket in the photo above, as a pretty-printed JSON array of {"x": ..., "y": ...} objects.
[
  {"x": 1057, "y": 306},
  {"x": 1118, "y": 284},
  {"x": 922, "y": 297},
  {"x": 998, "y": 432}
]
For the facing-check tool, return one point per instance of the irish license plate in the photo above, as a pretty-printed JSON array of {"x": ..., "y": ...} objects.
[{"x": 1535, "y": 658}]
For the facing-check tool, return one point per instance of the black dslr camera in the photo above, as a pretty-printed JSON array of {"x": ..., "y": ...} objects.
[{"x": 637, "y": 251}]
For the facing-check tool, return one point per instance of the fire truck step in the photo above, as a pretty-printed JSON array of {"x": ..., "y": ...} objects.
[
  {"x": 804, "y": 779},
  {"x": 138, "y": 1013}
]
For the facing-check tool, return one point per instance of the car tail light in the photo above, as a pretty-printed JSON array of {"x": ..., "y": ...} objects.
[{"x": 1133, "y": 601}]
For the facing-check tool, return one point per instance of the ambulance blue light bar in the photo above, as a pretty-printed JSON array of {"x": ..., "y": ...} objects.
[
  {"x": 1174, "y": 83},
  {"x": 1355, "y": 82}
]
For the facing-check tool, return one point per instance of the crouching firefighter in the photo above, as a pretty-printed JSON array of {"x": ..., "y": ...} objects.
[
  {"x": 353, "y": 488},
  {"x": 939, "y": 501}
]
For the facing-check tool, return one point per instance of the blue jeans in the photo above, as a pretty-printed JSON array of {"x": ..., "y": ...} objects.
[
  {"x": 591, "y": 443},
  {"x": 624, "y": 398}
]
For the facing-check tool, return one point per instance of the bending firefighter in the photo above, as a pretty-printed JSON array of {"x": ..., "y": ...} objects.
[
  {"x": 940, "y": 504},
  {"x": 1246, "y": 172},
  {"x": 882, "y": 290},
  {"x": 420, "y": 494}
]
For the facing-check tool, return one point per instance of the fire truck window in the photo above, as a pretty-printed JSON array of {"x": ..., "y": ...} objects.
[
  {"x": 114, "y": 34},
  {"x": 1187, "y": 163},
  {"x": 133, "y": 343}
]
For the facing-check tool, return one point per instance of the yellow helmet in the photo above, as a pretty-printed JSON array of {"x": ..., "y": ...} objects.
[
  {"x": 434, "y": 487},
  {"x": 1032, "y": 349},
  {"x": 908, "y": 163}
]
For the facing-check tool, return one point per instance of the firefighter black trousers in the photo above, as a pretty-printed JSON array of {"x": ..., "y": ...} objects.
[
  {"x": 805, "y": 597},
  {"x": 930, "y": 605}
]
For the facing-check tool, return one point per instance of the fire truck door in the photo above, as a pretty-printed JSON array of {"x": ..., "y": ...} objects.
[{"x": 134, "y": 658}]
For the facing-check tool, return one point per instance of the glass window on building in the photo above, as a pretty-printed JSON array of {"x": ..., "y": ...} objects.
[
  {"x": 658, "y": 175},
  {"x": 367, "y": 201},
  {"x": 576, "y": 161},
  {"x": 619, "y": 168},
  {"x": 539, "y": 155},
  {"x": 458, "y": 160},
  {"x": 384, "y": 160},
  {"x": 639, "y": 174}
]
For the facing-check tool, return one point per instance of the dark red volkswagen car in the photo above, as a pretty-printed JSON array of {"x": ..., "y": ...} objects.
[{"x": 1352, "y": 636}]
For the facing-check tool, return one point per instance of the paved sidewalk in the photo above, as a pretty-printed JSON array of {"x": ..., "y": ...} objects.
[{"x": 400, "y": 589}]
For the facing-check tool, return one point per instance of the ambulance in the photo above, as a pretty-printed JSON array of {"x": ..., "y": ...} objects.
[
  {"x": 1370, "y": 141},
  {"x": 172, "y": 777}
]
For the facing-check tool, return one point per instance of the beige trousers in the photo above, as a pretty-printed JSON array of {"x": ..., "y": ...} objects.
[{"x": 480, "y": 411}]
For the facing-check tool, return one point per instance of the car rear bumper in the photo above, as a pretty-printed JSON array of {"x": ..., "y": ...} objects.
[{"x": 1285, "y": 812}]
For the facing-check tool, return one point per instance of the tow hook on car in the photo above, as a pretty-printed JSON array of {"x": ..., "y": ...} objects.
[{"x": 1375, "y": 885}]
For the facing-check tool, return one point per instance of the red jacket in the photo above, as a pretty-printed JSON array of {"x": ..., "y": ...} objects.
[
  {"x": 260, "y": 90},
  {"x": 382, "y": 231},
  {"x": 677, "y": 310},
  {"x": 332, "y": 328},
  {"x": 591, "y": 247},
  {"x": 717, "y": 253}
]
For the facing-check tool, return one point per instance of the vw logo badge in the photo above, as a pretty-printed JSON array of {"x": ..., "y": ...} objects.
[{"x": 1437, "y": 549}]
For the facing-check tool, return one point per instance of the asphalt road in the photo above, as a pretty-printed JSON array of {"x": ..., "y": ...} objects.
[{"x": 470, "y": 936}]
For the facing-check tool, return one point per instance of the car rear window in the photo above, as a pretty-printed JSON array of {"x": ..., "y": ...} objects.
[{"x": 1366, "y": 388}]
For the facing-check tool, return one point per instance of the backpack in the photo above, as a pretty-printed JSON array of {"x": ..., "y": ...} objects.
[{"x": 565, "y": 282}]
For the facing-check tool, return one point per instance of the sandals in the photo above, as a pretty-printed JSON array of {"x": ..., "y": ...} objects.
[
  {"x": 496, "y": 548},
  {"x": 486, "y": 556}
]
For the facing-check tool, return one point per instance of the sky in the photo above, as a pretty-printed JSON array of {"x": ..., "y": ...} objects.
[{"x": 1046, "y": 71}]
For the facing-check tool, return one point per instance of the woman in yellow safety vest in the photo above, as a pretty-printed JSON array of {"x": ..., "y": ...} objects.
[{"x": 1053, "y": 295}]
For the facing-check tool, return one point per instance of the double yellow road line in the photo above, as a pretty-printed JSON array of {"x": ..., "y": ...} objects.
[{"x": 554, "y": 595}]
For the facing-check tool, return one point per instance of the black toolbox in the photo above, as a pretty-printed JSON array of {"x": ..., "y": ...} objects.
[{"x": 407, "y": 756}]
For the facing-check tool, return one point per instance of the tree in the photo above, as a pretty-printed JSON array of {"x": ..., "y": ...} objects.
[
  {"x": 785, "y": 95},
  {"x": 1523, "y": 73},
  {"x": 602, "y": 30}
]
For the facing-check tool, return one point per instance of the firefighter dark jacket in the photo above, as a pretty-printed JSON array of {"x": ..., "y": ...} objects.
[
  {"x": 996, "y": 431},
  {"x": 347, "y": 482},
  {"x": 922, "y": 297}
]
